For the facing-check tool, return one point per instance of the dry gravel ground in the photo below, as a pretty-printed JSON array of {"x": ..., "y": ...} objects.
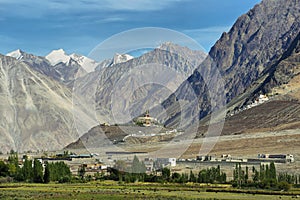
[{"x": 239, "y": 146}]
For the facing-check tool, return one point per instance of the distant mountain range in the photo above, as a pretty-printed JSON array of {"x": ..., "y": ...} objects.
[{"x": 48, "y": 102}]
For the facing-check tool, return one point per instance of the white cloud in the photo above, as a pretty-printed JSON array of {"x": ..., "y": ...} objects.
[
  {"x": 112, "y": 19},
  {"x": 214, "y": 29},
  {"x": 139, "y": 5},
  {"x": 33, "y": 8}
]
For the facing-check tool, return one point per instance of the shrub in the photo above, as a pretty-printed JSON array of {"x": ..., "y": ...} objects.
[
  {"x": 64, "y": 179},
  {"x": 283, "y": 185}
]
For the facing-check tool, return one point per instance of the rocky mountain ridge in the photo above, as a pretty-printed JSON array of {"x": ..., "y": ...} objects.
[
  {"x": 252, "y": 48},
  {"x": 56, "y": 65}
]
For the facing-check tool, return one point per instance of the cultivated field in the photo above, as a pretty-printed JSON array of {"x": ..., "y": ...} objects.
[{"x": 113, "y": 190}]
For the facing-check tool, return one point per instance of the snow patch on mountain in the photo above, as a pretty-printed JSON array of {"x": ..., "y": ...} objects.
[
  {"x": 58, "y": 56},
  {"x": 18, "y": 54},
  {"x": 88, "y": 64},
  {"x": 120, "y": 58}
]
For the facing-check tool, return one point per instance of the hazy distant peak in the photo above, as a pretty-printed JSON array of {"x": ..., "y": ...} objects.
[
  {"x": 195, "y": 57},
  {"x": 168, "y": 44},
  {"x": 117, "y": 59},
  {"x": 120, "y": 58}
]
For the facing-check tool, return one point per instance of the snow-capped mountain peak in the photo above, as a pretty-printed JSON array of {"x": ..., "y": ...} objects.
[
  {"x": 58, "y": 56},
  {"x": 88, "y": 64},
  {"x": 18, "y": 54},
  {"x": 120, "y": 58}
]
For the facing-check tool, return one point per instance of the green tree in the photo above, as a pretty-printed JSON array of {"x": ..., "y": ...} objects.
[
  {"x": 81, "y": 172},
  {"x": 166, "y": 173},
  {"x": 184, "y": 178},
  {"x": 239, "y": 175},
  {"x": 58, "y": 170},
  {"x": 255, "y": 176},
  {"x": 66, "y": 154},
  {"x": 143, "y": 168},
  {"x": 262, "y": 173},
  {"x": 202, "y": 176},
  {"x": 120, "y": 165},
  {"x": 4, "y": 170},
  {"x": 272, "y": 171},
  {"x": 27, "y": 170},
  {"x": 47, "y": 174},
  {"x": 137, "y": 166},
  {"x": 192, "y": 177},
  {"x": 224, "y": 177},
  {"x": 37, "y": 171},
  {"x": 283, "y": 185},
  {"x": 267, "y": 172},
  {"x": 12, "y": 152},
  {"x": 247, "y": 174},
  {"x": 235, "y": 173},
  {"x": 218, "y": 177},
  {"x": 13, "y": 163},
  {"x": 285, "y": 177},
  {"x": 175, "y": 177}
]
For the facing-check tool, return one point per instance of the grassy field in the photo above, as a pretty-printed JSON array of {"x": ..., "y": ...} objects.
[{"x": 113, "y": 190}]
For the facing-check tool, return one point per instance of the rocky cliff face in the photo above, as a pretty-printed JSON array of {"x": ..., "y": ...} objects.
[
  {"x": 194, "y": 57},
  {"x": 282, "y": 71},
  {"x": 251, "y": 49}
]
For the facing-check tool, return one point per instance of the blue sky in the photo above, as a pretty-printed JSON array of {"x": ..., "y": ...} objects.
[{"x": 78, "y": 26}]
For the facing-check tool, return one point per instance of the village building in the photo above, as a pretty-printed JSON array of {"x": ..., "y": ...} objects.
[{"x": 165, "y": 162}]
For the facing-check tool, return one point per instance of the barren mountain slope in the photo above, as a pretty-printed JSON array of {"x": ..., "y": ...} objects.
[
  {"x": 250, "y": 51},
  {"x": 36, "y": 111}
]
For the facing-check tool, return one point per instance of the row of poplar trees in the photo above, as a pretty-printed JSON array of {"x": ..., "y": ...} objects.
[
  {"x": 34, "y": 171},
  {"x": 265, "y": 178}
]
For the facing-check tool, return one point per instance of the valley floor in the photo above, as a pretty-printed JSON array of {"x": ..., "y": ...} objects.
[
  {"x": 245, "y": 145},
  {"x": 113, "y": 190}
]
